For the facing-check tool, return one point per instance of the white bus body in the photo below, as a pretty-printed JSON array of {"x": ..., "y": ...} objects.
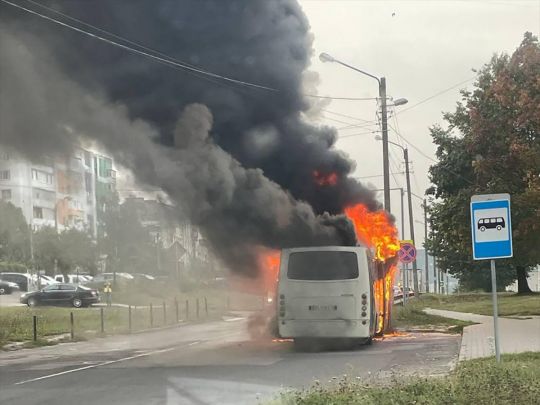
[{"x": 326, "y": 292}]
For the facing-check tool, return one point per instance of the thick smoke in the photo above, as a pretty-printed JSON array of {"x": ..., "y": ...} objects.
[
  {"x": 259, "y": 41},
  {"x": 43, "y": 112}
]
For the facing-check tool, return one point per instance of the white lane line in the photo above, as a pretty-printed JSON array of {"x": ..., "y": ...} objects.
[
  {"x": 194, "y": 343},
  {"x": 105, "y": 363},
  {"x": 233, "y": 319}
]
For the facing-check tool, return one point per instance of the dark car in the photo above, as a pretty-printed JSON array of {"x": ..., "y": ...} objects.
[
  {"x": 7, "y": 287},
  {"x": 23, "y": 280},
  {"x": 61, "y": 294}
]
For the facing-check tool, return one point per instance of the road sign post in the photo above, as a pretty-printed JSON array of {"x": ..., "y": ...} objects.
[{"x": 491, "y": 229}]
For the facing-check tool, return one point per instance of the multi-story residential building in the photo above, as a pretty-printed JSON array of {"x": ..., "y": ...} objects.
[
  {"x": 101, "y": 183},
  {"x": 64, "y": 192}
]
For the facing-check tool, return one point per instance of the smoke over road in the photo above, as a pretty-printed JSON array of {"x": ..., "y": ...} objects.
[{"x": 238, "y": 161}]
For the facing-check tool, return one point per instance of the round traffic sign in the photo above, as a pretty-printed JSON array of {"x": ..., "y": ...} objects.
[{"x": 407, "y": 253}]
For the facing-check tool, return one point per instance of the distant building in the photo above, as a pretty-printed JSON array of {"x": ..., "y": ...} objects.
[
  {"x": 62, "y": 192},
  {"x": 184, "y": 240}
]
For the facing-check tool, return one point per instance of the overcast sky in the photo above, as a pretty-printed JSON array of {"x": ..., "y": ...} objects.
[{"x": 422, "y": 48}]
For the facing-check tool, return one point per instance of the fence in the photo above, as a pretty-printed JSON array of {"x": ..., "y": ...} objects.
[{"x": 36, "y": 324}]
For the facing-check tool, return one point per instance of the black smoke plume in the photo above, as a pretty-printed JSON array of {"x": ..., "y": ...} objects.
[{"x": 224, "y": 152}]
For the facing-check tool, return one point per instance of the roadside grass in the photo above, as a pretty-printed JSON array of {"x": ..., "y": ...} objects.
[
  {"x": 412, "y": 316},
  {"x": 480, "y": 381},
  {"x": 16, "y": 322},
  {"x": 218, "y": 299},
  {"x": 510, "y": 304}
]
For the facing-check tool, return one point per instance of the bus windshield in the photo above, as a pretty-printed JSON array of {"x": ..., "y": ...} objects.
[{"x": 322, "y": 265}]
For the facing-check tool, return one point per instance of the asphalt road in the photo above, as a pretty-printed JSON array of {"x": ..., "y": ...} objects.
[
  {"x": 11, "y": 300},
  {"x": 211, "y": 363}
]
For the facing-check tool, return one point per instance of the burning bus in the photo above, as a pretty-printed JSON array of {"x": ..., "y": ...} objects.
[
  {"x": 327, "y": 292},
  {"x": 332, "y": 292},
  {"x": 336, "y": 291}
]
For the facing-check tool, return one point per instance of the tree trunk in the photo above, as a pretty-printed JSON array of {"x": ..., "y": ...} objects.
[{"x": 523, "y": 285}]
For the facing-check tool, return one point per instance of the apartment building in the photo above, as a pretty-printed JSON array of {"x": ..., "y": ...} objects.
[{"x": 61, "y": 192}]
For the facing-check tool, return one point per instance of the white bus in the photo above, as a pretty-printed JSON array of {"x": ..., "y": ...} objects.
[{"x": 326, "y": 293}]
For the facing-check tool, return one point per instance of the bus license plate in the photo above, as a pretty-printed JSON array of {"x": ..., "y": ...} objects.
[{"x": 322, "y": 307}]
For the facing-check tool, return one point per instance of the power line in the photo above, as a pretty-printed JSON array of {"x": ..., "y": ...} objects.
[
  {"x": 430, "y": 158},
  {"x": 375, "y": 175},
  {"x": 347, "y": 116},
  {"x": 358, "y": 134},
  {"x": 335, "y": 120},
  {"x": 373, "y": 123},
  {"x": 168, "y": 61},
  {"x": 164, "y": 59},
  {"x": 401, "y": 111}
]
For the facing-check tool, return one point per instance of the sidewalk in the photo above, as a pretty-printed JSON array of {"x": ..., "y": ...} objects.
[{"x": 516, "y": 335}]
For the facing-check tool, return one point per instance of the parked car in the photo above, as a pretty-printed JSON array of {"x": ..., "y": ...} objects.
[
  {"x": 71, "y": 278},
  {"x": 7, "y": 287},
  {"x": 25, "y": 281},
  {"x": 62, "y": 294},
  {"x": 120, "y": 276},
  {"x": 143, "y": 277},
  {"x": 43, "y": 280}
]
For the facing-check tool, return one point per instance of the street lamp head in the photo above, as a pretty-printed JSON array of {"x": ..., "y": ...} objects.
[
  {"x": 324, "y": 57},
  {"x": 400, "y": 101},
  {"x": 378, "y": 138}
]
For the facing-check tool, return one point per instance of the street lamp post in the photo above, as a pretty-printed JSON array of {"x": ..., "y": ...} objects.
[
  {"x": 409, "y": 201},
  {"x": 426, "y": 256},
  {"x": 324, "y": 57},
  {"x": 404, "y": 281}
]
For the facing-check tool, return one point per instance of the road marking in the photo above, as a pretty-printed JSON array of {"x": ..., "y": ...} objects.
[
  {"x": 233, "y": 319},
  {"x": 194, "y": 343},
  {"x": 105, "y": 363}
]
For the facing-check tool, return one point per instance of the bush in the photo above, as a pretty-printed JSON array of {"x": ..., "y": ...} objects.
[{"x": 13, "y": 267}]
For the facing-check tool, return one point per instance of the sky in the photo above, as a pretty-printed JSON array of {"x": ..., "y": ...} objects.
[{"x": 422, "y": 48}]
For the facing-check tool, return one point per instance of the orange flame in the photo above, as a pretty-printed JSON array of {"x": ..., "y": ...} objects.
[
  {"x": 269, "y": 261},
  {"x": 379, "y": 302},
  {"x": 375, "y": 230},
  {"x": 325, "y": 179}
]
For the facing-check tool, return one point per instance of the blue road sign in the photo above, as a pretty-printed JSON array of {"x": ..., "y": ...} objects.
[{"x": 491, "y": 226}]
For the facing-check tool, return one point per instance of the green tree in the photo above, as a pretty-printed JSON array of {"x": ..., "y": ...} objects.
[
  {"x": 78, "y": 250},
  {"x": 14, "y": 234},
  {"x": 64, "y": 252},
  {"x": 128, "y": 245},
  {"x": 47, "y": 251},
  {"x": 491, "y": 145}
]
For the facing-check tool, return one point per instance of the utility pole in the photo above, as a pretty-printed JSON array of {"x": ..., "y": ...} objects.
[
  {"x": 426, "y": 256},
  {"x": 435, "y": 277},
  {"x": 158, "y": 258},
  {"x": 411, "y": 220},
  {"x": 404, "y": 281},
  {"x": 384, "y": 123}
]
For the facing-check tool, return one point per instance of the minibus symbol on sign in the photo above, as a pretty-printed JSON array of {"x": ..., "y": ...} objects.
[
  {"x": 489, "y": 223},
  {"x": 491, "y": 226}
]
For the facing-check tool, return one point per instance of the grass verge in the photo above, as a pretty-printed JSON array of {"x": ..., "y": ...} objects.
[
  {"x": 481, "y": 381},
  {"x": 510, "y": 304},
  {"x": 16, "y": 322},
  {"x": 412, "y": 317}
]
